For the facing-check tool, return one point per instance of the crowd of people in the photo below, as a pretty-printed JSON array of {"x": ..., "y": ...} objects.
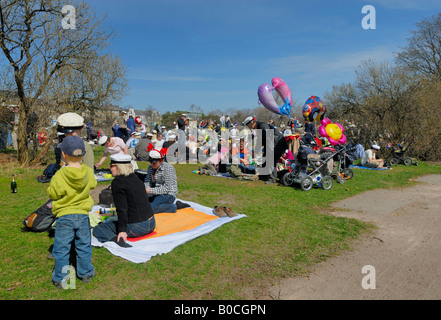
[{"x": 252, "y": 150}]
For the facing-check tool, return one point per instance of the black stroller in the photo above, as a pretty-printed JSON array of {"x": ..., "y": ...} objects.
[
  {"x": 398, "y": 154},
  {"x": 309, "y": 169}
]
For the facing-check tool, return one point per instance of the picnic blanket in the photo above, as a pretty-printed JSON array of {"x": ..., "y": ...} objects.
[
  {"x": 361, "y": 167},
  {"x": 172, "y": 230}
]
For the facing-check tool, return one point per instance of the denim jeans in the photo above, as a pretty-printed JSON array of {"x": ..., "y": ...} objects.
[
  {"x": 163, "y": 203},
  {"x": 108, "y": 231},
  {"x": 67, "y": 229}
]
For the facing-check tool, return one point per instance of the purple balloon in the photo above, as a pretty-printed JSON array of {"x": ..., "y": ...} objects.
[{"x": 265, "y": 94}]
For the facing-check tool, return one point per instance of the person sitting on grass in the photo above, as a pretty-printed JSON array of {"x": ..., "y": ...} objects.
[
  {"x": 369, "y": 159},
  {"x": 70, "y": 189},
  {"x": 135, "y": 215},
  {"x": 161, "y": 184}
]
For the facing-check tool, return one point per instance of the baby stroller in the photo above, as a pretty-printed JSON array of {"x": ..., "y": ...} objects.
[
  {"x": 309, "y": 169},
  {"x": 398, "y": 154},
  {"x": 343, "y": 156}
]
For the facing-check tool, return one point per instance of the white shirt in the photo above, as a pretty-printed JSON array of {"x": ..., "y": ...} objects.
[{"x": 368, "y": 154}]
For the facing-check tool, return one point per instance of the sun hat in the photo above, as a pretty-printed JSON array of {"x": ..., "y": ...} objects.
[
  {"x": 120, "y": 158},
  {"x": 73, "y": 146}
]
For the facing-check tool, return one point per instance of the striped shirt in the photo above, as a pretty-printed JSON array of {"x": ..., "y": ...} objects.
[{"x": 163, "y": 181}]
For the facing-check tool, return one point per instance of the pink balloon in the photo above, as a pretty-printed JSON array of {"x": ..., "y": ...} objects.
[
  {"x": 342, "y": 139},
  {"x": 332, "y": 141},
  {"x": 341, "y": 127},
  {"x": 325, "y": 121},
  {"x": 322, "y": 131}
]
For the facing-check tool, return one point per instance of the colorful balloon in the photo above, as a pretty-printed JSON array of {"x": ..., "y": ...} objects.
[
  {"x": 266, "y": 98},
  {"x": 138, "y": 120},
  {"x": 332, "y": 131},
  {"x": 282, "y": 89},
  {"x": 313, "y": 109}
]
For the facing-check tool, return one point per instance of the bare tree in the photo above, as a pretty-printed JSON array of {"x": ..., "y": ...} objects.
[
  {"x": 423, "y": 51},
  {"x": 40, "y": 52}
]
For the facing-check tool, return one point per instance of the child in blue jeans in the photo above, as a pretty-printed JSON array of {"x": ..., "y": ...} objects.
[{"x": 70, "y": 189}]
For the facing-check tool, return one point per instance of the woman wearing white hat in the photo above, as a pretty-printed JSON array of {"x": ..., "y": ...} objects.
[{"x": 135, "y": 215}]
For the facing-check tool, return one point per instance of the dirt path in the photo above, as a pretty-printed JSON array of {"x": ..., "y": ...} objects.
[{"x": 404, "y": 250}]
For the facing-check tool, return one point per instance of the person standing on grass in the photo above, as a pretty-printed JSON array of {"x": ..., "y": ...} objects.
[
  {"x": 70, "y": 189},
  {"x": 71, "y": 124},
  {"x": 112, "y": 145}
]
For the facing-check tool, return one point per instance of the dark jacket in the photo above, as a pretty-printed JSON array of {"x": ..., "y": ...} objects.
[
  {"x": 279, "y": 145},
  {"x": 131, "y": 201},
  {"x": 181, "y": 124}
]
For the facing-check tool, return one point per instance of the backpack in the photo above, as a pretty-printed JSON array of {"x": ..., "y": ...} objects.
[
  {"x": 50, "y": 170},
  {"x": 41, "y": 219},
  {"x": 106, "y": 198}
]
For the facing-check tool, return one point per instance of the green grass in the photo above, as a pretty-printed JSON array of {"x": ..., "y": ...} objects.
[{"x": 286, "y": 231}]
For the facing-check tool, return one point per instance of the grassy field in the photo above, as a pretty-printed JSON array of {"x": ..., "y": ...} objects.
[{"x": 286, "y": 231}]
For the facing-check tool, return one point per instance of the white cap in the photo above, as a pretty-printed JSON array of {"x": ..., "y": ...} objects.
[
  {"x": 376, "y": 147},
  {"x": 247, "y": 120},
  {"x": 69, "y": 121},
  {"x": 137, "y": 133},
  {"x": 102, "y": 140},
  {"x": 172, "y": 137},
  {"x": 155, "y": 155},
  {"x": 120, "y": 158}
]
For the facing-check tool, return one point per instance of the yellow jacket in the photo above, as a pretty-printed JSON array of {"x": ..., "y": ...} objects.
[{"x": 70, "y": 188}]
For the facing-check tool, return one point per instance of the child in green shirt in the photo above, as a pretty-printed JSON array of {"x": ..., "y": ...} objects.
[{"x": 70, "y": 189}]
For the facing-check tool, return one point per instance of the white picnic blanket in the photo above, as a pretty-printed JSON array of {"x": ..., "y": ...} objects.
[{"x": 142, "y": 250}]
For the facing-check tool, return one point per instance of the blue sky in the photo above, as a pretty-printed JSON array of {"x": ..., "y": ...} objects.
[{"x": 215, "y": 54}]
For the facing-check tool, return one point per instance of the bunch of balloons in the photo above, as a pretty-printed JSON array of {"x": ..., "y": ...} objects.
[
  {"x": 332, "y": 131},
  {"x": 266, "y": 98}
]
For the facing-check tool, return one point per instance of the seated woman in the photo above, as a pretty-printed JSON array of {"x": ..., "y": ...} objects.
[{"x": 135, "y": 215}]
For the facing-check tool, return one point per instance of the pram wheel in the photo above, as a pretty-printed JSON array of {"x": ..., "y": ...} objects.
[
  {"x": 340, "y": 177},
  {"x": 348, "y": 173},
  {"x": 306, "y": 183},
  {"x": 393, "y": 161},
  {"x": 407, "y": 161},
  {"x": 287, "y": 179},
  {"x": 327, "y": 182}
]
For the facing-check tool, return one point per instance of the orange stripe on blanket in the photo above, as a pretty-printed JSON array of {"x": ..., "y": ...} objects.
[{"x": 182, "y": 220}]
